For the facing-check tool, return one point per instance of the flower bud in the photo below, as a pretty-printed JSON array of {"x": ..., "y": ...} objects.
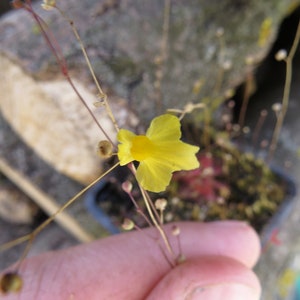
[
  {"x": 161, "y": 204},
  {"x": 127, "y": 186},
  {"x": 128, "y": 224},
  {"x": 281, "y": 55}
]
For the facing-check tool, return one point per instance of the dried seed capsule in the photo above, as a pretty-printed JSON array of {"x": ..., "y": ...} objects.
[
  {"x": 105, "y": 149},
  {"x": 11, "y": 282},
  {"x": 161, "y": 204}
]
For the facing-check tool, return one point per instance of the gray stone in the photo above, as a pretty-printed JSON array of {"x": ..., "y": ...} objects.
[{"x": 124, "y": 40}]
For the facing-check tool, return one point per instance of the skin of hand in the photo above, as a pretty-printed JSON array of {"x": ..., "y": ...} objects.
[{"x": 132, "y": 266}]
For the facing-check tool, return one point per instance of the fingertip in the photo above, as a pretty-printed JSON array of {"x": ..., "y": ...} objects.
[
  {"x": 209, "y": 278},
  {"x": 225, "y": 238}
]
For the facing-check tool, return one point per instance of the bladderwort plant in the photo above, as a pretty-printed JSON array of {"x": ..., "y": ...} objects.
[
  {"x": 159, "y": 152},
  {"x": 153, "y": 157}
]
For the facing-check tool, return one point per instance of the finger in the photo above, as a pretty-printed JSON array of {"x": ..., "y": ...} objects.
[
  {"x": 225, "y": 238},
  {"x": 127, "y": 266},
  {"x": 209, "y": 278}
]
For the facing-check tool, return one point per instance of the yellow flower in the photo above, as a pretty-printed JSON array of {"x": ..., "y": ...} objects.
[{"x": 160, "y": 152}]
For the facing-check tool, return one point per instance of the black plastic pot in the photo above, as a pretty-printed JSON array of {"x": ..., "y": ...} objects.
[
  {"x": 101, "y": 193},
  {"x": 106, "y": 200},
  {"x": 284, "y": 209}
]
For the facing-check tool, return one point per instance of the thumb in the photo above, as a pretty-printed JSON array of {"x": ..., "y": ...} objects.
[{"x": 209, "y": 278}]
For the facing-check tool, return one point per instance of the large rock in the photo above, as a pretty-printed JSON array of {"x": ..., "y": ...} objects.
[
  {"x": 49, "y": 117},
  {"x": 123, "y": 39}
]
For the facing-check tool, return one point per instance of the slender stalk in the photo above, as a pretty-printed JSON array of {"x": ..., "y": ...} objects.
[
  {"x": 35, "y": 232},
  {"x": 221, "y": 72},
  {"x": 139, "y": 210},
  {"x": 70, "y": 201},
  {"x": 162, "y": 56},
  {"x": 259, "y": 125},
  {"x": 286, "y": 95},
  {"x": 102, "y": 95},
  {"x": 206, "y": 133},
  {"x": 246, "y": 97},
  {"x": 51, "y": 41},
  {"x": 44, "y": 201},
  {"x": 157, "y": 225},
  {"x": 154, "y": 215}
]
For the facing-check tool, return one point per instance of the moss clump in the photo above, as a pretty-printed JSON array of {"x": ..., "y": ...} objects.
[{"x": 230, "y": 185}]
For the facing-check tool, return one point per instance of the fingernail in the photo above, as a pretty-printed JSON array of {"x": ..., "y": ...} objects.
[{"x": 228, "y": 291}]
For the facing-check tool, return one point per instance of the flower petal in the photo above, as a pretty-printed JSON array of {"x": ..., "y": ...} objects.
[
  {"x": 160, "y": 152},
  {"x": 125, "y": 135},
  {"x": 179, "y": 155},
  {"x": 124, "y": 149},
  {"x": 164, "y": 127},
  {"x": 153, "y": 176}
]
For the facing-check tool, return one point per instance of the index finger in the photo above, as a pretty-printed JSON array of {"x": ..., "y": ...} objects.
[{"x": 128, "y": 266}]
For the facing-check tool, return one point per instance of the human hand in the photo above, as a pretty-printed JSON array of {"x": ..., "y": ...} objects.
[{"x": 131, "y": 266}]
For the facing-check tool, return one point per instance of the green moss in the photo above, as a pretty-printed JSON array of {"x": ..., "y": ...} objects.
[{"x": 255, "y": 191}]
